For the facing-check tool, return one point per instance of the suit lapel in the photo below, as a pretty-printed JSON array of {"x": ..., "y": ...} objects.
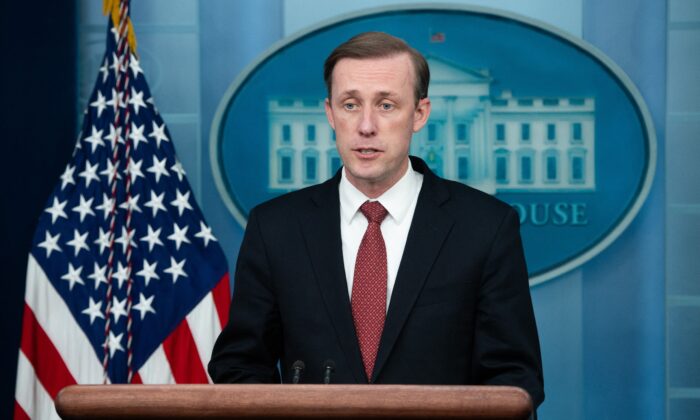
[
  {"x": 429, "y": 228},
  {"x": 321, "y": 229}
]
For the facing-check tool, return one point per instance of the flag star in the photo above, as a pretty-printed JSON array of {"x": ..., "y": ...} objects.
[
  {"x": 110, "y": 171},
  {"x": 156, "y": 203},
  {"x": 78, "y": 146},
  {"x": 89, "y": 173},
  {"x": 158, "y": 168},
  {"x": 73, "y": 276},
  {"x": 84, "y": 208},
  {"x": 56, "y": 210},
  {"x": 116, "y": 62},
  {"x": 159, "y": 133},
  {"x": 136, "y": 100},
  {"x": 136, "y": 135},
  {"x": 131, "y": 204},
  {"x": 100, "y": 103},
  {"x": 114, "y": 343},
  {"x": 78, "y": 241},
  {"x": 134, "y": 66},
  {"x": 134, "y": 170},
  {"x": 50, "y": 243},
  {"x": 122, "y": 274},
  {"x": 116, "y": 100},
  {"x": 106, "y": 206},
  {"x": 67, "y": 177},
  {"x": 148, "y": 272},
  {"x": 94, "y": 310},
  {"x": 103, "y": 240},
  {"x": 115, "y": 135},
  {"x": 95, "y": 139},
  {"x": 177, "y": 168},
  {"x": 104, "y": 70},
  {"x": 144, "y": 305},
  {"x": 181, "y": 201},
  {"x": 127, "y": 238},
  {"x": 205, "y": 233},
  {"x": 153, "y": 104},
  {"x": 176, "y": 269},
  {"x": 115, "y": 34},
  {"x": 153, "y": 238},
  {"x": 99, "y": 275},
  {"x": 179, "y": 235}
]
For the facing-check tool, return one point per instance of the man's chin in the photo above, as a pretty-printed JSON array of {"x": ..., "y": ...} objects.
[
  {"x": 364, "y": 172},
  {"x": 365, "y": 177}
]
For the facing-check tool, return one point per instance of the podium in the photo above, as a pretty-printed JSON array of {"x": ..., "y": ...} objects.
[{"x": 293, "y": 402}]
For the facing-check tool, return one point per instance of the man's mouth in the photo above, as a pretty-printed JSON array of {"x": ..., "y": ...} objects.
[{"x": 366, "y": 151}]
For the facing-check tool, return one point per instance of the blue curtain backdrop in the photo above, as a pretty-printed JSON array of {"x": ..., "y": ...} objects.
[
  {"x": 624, "y": 294},
  {"x": 37, "y": 128}
]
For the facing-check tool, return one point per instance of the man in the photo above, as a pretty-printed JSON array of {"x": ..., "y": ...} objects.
[{"x": 394, "y": 274}]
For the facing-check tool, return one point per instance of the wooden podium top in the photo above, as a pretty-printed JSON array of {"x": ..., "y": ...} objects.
[{"x": 293, "y": 401}]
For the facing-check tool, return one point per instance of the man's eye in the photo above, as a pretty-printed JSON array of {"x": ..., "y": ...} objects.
[
  {"x": 349, "y": 107},
  {"x": 387, "y": 107}
]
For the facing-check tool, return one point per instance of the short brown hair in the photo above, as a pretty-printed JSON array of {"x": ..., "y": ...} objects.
[{"x": 378, "y": 45}]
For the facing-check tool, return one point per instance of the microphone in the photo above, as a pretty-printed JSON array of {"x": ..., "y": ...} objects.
[
  {"x": 297, "y": 368},
  {"x": 328, "y": 368}
]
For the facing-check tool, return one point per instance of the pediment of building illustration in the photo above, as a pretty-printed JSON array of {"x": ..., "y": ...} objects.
[
  {"x": 448, "y": 78},
  {"x": 443, "y": 71}
]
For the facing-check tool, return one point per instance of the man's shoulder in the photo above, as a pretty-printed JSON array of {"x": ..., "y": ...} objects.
[
  {"x": 456, "y": 194},
  {"x": 466, "y": 192},
  {"x": 465, "y": 200}
]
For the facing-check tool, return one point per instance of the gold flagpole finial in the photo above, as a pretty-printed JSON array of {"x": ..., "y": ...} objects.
[{"x": 111, "y": 7}]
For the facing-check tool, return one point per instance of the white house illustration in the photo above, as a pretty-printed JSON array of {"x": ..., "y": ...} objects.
[{"x": 493, "y": 143}]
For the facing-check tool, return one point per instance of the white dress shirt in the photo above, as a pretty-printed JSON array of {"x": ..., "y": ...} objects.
[{"x": 400, "y": 201}]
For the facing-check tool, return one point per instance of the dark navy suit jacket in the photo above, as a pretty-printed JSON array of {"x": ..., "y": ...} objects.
[{"x": 460, "y": 311}]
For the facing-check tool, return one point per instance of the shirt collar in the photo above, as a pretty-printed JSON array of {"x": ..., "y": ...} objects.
[{"x": 396, "y": 200}]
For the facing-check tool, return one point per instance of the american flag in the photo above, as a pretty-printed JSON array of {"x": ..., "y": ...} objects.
[
  {"x": 437, "y": 37},
  {"x": 125, "y": 281}
]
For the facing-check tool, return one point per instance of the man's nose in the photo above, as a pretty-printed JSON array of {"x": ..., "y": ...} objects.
[{"x": 368, "y": 125}]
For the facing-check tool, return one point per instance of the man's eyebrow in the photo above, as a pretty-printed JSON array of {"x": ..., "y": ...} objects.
[
  {"x": 355, "y": 92},
  {"x": 352, "y": 92},
  {"x": 386, "y": 94}
]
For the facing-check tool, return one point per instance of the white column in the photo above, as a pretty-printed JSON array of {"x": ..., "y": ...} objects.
[{"x": 450, "y": 139}]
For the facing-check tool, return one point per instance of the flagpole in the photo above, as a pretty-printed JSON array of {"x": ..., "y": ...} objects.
[{"x": 121, "y": 99}]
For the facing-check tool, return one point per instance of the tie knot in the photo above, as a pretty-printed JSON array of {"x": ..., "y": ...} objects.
[{"x": 373, "y": 211}]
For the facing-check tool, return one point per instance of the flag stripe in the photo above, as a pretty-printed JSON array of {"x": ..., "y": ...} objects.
[
  {"x": 182, "y": 355},
  {"x": 222, "y": 298},
  {"x": 47, "y": 362},
  {"x": 156, "y": 370},
  {"x": 30, "y": 395},
  {"x": 66, "y": 335},
  {"x": 204, "y": 324},
  {"x": 20, "y": 414}
]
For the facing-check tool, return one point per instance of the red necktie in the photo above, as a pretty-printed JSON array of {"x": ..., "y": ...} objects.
[{"x": 369, "y": 286}]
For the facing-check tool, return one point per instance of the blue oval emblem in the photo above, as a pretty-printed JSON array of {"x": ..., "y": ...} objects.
[{"x": 521, "y": 110}]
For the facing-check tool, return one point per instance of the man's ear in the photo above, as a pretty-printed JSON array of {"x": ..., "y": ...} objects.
[
  {"x": 329, "y": 113},
  {"x": 421, "y": 114}
]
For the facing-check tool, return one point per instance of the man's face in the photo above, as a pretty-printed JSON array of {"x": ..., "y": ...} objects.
[{"x": 374, "y": 114}]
